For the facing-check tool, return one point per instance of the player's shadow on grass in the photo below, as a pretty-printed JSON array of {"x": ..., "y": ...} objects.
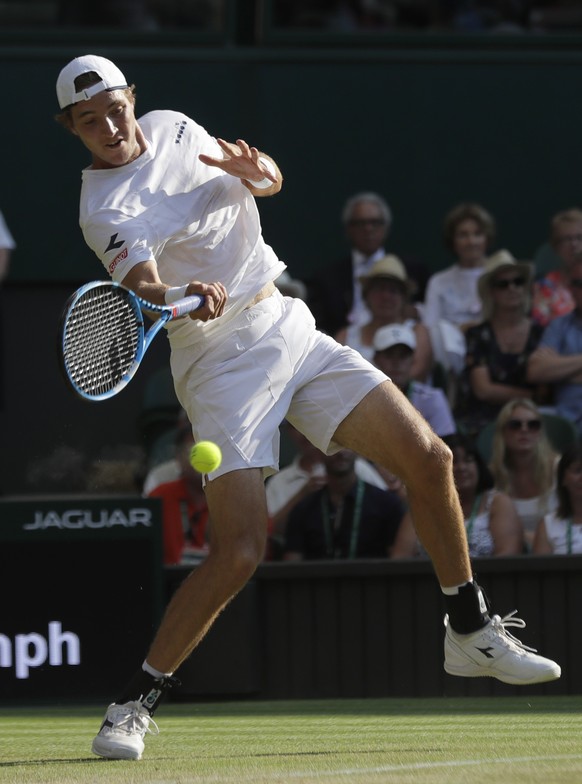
[{"x": 29, "y": 762}]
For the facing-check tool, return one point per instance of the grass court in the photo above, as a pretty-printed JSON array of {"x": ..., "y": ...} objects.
[{"x": 421, "y": 741}]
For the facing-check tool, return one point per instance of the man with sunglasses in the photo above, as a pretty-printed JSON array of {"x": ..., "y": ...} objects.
[
  {"x": 335, "y": 295},
  {"x": 558, "y": 358}
]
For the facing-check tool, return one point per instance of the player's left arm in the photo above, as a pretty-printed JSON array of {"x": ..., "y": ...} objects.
[{"x": 240, "y": 160}]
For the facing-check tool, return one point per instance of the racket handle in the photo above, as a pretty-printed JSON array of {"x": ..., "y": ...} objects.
[{"x": 183, "y": 306}]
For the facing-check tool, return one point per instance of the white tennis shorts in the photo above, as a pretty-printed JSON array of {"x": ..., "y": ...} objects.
[{"x": 271, "y": 365}]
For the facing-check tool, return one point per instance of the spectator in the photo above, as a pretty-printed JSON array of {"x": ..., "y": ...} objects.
[
  {"x": 185, "y": 513},
  {"x": 386, "y": 289},
  {"x": 347, "y": 518},
  {"x": 558, "y": 358},
  {"x": 552, "y": 296},
  {"x": 560, "y": 532},
  {"x": 523, "y": 463},
  {"x": 284, "y": 490},
  {"x": 302, "y": 477},
  {"x": 161, "y": 471},
  {"x": 395, "y": 347},
  {"x": 335, "y": 295},
  {"x": 491, "y": 521},
  {"x": 498, "y": 348},
  {"x": 452, "y": 294}
]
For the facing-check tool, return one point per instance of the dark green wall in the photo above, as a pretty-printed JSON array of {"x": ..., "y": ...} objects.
[{"x": 425, "y": 125}]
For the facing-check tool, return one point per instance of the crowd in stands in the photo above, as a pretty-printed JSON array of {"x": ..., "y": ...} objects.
[{"x": 489, "y": 350}]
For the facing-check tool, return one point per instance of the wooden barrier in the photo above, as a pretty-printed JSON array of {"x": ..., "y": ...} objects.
[{"x": 374, "y": 629}]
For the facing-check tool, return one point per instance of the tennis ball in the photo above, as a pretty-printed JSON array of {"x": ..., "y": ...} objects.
[{"x": 205, "y": 457}]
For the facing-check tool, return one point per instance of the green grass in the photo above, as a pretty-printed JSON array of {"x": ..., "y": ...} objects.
[{"x": 416, "y": 741}]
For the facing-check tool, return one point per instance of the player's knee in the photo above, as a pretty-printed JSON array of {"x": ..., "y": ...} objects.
[
  {"x": 432, "y": 464},
  {"x": 241, "y": 555}
]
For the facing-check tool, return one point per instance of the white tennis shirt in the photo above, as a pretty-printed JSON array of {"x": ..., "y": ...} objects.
[{"x": 193, "y": 220}]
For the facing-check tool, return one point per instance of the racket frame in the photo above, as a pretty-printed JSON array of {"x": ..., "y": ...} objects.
[{"x": 165, "y": 314}]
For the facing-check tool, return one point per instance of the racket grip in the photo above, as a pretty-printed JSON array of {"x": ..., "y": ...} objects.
[{"x": 187, "y": 305}]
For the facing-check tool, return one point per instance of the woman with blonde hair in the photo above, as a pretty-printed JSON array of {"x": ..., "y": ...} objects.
[{"x": 523, "y": 463}]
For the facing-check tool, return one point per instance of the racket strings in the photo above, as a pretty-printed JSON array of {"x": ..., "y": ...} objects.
[{"x": 101, "y": 339}]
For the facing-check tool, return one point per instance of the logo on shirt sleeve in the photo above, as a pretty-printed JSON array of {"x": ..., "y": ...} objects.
[
  {"x": 116, "y": 260},
  {"x": 113, "y": 245}
]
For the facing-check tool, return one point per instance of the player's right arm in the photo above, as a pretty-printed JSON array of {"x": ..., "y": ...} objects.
[{"x": 143, "y": 279}]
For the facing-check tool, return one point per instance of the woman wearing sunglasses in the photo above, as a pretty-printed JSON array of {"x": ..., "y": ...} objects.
[
  {"x": 523, "y": 463},
  {"x": 498, "y": 348},
  {"x": 560, "y": 532}
]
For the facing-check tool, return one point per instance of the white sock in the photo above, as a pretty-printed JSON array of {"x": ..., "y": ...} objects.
[
  {"x": 454, "y": 589},
  {"x": 152, "y": 671}
]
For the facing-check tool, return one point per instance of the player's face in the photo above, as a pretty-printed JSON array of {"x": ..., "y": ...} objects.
[{"x": 107, "y": 127}]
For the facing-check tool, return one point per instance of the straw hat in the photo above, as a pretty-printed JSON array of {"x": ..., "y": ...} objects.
[{"x": 388, "y": 267}]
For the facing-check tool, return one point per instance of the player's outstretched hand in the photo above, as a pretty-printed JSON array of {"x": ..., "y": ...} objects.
[
  {"x": 240, "y": 161},
  {"x": 215, "y": 297}
]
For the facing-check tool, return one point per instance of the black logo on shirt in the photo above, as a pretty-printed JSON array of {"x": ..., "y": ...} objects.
[
  {"x": 179, "y": 131},
  {"x": 114, "y": 245}
]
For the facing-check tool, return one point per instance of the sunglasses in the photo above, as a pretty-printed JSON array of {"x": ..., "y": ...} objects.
[
  {"x": 507, "y": 282},
  {"x": 533, "y": 425}
]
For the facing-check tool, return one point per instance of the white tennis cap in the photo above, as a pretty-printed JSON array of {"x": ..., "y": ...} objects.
[{"x": 111, "y": 79}]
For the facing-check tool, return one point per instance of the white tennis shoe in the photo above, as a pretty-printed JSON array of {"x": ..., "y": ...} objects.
[
  {"x": 122, "y": 732},
  {"x": 493, "y": 651}
]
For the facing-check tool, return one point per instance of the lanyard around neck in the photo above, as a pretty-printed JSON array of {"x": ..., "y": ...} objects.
[{"x": 331, "y": 550}]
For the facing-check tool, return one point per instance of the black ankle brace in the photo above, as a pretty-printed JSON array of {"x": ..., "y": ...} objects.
[
  {"x": 147, "y": 690},
  {"x": 468, "y": 610}
]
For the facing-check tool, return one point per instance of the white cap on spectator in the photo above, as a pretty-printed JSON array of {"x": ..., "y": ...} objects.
[
  {"x": 111, "y": 79},
  {"x": 394, "y": 335}
]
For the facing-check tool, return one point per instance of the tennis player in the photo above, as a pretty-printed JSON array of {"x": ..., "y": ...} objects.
[{"x": 171, "y": 211}]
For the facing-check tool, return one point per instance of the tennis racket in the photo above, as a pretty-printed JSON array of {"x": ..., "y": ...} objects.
[{"x": 102, "y": 338}]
